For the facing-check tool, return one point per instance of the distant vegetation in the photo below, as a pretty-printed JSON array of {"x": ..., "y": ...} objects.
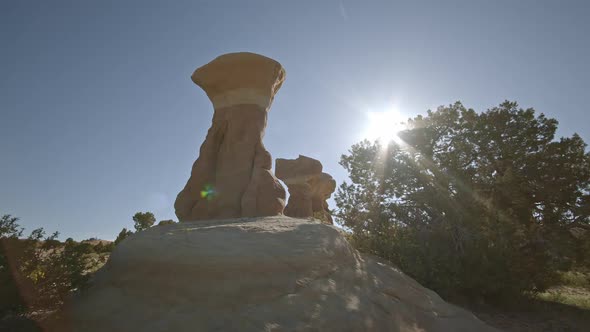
[
  {"x": 485, "y": 205},
  {"x": 38, "y": 272},
  {"x": 143, "y": 220}
]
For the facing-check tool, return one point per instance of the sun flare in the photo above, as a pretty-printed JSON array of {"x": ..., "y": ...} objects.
[{"x": 384, "y": 126}]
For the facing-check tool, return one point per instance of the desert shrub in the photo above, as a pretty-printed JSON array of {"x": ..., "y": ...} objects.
[
  {"x": 52, "y": 269},
  {"x": 143, "y": 220},
  {"x": 39, "y": 270},
  {"x": 102, "y": 248},
  {"x": 10, "y": 297},
  {"x": 123, "y": 234},
  {"x": 479, "y": 204}
]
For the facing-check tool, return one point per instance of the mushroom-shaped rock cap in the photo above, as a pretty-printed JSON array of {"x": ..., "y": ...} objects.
[
  {"x": 297, "y": 170},
  {"x": 240, "y": 78}
]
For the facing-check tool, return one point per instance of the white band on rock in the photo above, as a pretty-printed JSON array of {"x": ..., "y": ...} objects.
[{"x": 241, "y": 96}]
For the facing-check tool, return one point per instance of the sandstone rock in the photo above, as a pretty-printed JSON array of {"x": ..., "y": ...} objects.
[
  {"x": 309, "y": 188},
  {"x": 297, "y": 170},
  {"x": 255, "y": 274},
  {"x": 232, "y": 177},
  {"x": 322, "y": 188}
]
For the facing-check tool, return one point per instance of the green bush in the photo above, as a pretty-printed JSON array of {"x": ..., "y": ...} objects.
[
  {"x": 123, "y": 234},
  {"x": 10, "y": 296},
  {"x": 39, "y": 271},
  {"x": 101, "y": 248},
  {"x": 475, "y": 204},
  {"x": 143, "y": 220}
]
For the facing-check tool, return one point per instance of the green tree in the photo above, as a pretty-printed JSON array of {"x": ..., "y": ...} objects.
[
  {"x": 51, "y": 269},
  {"x": 106, "y": 247},
  {"x": 480, "y": 204},
  {"x": 39, "y": 270},
  {"x": 143, "y": 220},
  {"x": 9, "y": 227},
  {"x": 123, "y": 234},
  {"x": 57, "y": 269},
  {"x": 10, "y": 231}
]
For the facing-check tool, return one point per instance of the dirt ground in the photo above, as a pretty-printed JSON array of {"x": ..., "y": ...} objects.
[{"x": 535, "y": 315}]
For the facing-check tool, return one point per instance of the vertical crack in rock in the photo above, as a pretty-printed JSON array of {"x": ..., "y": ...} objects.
[{"x": 232, "y": 176}]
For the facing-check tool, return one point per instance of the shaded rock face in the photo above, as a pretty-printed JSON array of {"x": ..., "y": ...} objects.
[
  {"x": 309, "y": 188},
  {"x": 232, "y": 176},
  {"x": 255, "y": 274},
  {"x": 322, "y": 188}
]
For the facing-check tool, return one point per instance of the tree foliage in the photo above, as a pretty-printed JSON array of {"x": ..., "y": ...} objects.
[
  {"x": 9, "y": 227},
  {"x": 481, "y": 204},
  {"x": 38, "y": 271},
  {"x": 123, "y": 234},
  {"x": 143, "y": 220},
  {"x": 10, "y": 298},
  {"x": 101, "y": 248}
]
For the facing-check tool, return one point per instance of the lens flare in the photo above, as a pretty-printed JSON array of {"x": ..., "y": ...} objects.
[
  {"x": 208, "y": 192},
  {"x": 384, "y": 126}
]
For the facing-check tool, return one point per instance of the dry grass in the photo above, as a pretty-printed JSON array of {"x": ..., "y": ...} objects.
[
  {"x": 562, "y": 308},
  {"x": 573, "y": 291}
]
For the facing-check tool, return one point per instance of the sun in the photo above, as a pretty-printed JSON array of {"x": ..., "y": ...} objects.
[{"x": 384, "y": 126}]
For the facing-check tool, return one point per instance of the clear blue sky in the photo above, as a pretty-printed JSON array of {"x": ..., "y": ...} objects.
[{"x": 99, "y": 118}]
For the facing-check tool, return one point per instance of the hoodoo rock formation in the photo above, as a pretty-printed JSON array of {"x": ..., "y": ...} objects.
[
  {"x": 309, "y": 188},
  {"x": 232, "y": 273},
  {"x": 231, "y": 177}
]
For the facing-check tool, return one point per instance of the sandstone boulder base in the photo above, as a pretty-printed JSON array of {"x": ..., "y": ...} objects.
[
  {"x": 255, "y": 274},
  {"x": 231, "y": 177},
  {"x": 309, "y": 188}
]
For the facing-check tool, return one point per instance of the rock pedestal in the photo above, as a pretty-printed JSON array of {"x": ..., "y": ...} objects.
[
  {"x": 232, "y": 177},
  {"x": 322, "y": 188},
  {"x": 255, "y": 274},
  {"x": 309, "y": 188}
]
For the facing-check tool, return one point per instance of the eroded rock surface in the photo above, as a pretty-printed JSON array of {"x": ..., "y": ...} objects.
[
  {"x": 232, "y": 176},
  {"x": 309, "y": 188},
  {"x": 321, "y": 189},
  {"x": 255, "y": 274}
]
